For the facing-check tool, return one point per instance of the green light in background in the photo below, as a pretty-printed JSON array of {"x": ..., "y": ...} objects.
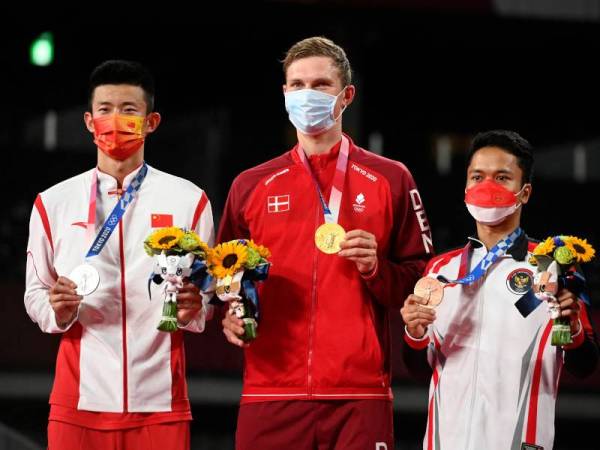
[{"x": 41, "y": 52}]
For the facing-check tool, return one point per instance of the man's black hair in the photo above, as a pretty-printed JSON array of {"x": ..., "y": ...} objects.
[
  {"x": 510, "y": 142},
  {"x": 118, "y": 71}
]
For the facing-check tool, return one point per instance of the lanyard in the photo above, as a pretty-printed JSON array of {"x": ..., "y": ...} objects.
[
  {"x": 486, "y": 262},
  {"x": 331, "y": 211},
  {"x": 116, "y": 214}
]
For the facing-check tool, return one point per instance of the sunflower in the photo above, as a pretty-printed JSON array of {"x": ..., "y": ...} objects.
[
  {"x": 227, "y": 259},
  {"x": 545, "y": 247},
  {"x": 165, "y": 238},
  {"x": 580, "y": 248}
]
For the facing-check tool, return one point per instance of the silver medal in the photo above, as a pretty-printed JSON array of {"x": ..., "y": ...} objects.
[{"x": 86, "y": 277}]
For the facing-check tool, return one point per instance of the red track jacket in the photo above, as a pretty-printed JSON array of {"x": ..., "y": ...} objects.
[{"x": 323, "y": 330}]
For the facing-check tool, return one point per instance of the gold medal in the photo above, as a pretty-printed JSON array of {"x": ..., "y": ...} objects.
[
  {"x": 328, "y": 237},
  {"x": 430, "y": 289}
]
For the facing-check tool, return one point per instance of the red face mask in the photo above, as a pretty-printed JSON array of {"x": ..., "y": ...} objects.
[
  {"x": 489, "y": 194},
  {"x": 490, "y": 203},
  {"x": 119, "y": 136}
]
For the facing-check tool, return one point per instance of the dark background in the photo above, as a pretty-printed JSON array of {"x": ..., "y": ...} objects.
[{"x": 429, "y": 74}]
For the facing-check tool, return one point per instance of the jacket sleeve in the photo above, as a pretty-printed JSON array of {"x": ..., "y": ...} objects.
[
  {"x": 410, "y": 246},
  {"x": 417, "y": 352},
  {"x": 40, "y": 274},
  {"x": 203, "y": 225},
  {"x": 582, "y": 356},
  {"x": 415, "y": 355}
]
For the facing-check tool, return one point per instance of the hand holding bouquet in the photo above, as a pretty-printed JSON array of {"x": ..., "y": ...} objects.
[
  {"x": 556, "y": 259},
  {"x": 179, "y": 254},
  {"x": 237, "y": 265}
]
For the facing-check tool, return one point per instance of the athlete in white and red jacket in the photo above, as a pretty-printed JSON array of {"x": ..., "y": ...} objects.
[
  {"x": 318, "y": 373},
  {"x": 495, "y": 373},
  {"x": 118, "y": 379}
]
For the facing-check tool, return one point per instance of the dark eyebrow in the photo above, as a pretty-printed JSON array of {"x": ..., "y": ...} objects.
[
  {"x": 123, "y": 104},
  {"x": 497, "y": 172},
  {"x": 315, "y": 81},
  {"x": 323, "y": 80}
]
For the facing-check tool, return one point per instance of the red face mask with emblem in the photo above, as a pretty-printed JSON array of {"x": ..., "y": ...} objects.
[
  {"x": 490, "y": 203},
  {"x": 119, "y": 136}
]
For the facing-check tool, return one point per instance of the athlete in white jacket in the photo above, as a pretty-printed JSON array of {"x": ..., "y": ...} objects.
[
  {"x": 495, "y": 372},
  {"x": 118, "y": 379}
]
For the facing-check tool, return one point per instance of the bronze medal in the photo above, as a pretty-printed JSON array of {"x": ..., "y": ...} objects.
[{"x": 430, "y": 289}]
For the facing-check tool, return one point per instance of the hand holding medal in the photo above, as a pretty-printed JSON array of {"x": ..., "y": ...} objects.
[
  {"x": 64, "y": 301},
  {"x": 86, "y": 277},
  {"x": 330, "y": 234},
  {"x": 419, "y": 308},
  {"x": 418, "y": 311}
]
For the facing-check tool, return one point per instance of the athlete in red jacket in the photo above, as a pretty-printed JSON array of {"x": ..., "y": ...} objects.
[{"x": 319, "y": 373}]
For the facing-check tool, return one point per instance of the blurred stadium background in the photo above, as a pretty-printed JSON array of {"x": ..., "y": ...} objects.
[{"x": 429, "y": 74}]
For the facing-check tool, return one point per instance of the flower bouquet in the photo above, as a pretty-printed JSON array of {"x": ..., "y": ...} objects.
[
  {"x": 237, "y": 265},
  {"x": 178, "y": 254},
  {"x": 556, "y": 259}
]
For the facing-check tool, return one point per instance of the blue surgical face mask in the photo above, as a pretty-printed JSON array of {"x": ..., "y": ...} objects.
[{"x": 310, "y": 111}]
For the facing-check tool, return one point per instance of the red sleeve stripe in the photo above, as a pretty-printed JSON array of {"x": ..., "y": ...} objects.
[
  {"x": 416, "y": 345},
  {"x": 44, "y": 216},
  {"x": 178, "y": 385},
  {"x": 530, "y": 436},
  {"x": 199, "y": 210},
  {"x": 436, "y": 379},
  {"x": 430, "y": 418},
  {"x": 436, "y": 264},
  {"x": 585, "y": 319}
]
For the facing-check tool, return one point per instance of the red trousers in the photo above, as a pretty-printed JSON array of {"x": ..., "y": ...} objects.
[
  {"x": 162, "y": 436},
  {"x": 316, "y": 425}
]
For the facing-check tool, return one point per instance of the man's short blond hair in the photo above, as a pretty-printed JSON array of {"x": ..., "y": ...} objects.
[{"x": 320, "y": 46}]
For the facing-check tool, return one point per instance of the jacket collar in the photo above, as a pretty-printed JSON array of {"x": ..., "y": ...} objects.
[
  {"x": 351, "y": 147},
  {"x": 518, "y": 250}
]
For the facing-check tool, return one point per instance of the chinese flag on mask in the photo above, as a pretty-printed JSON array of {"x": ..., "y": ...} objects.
[{"x": 161, "y": 220}]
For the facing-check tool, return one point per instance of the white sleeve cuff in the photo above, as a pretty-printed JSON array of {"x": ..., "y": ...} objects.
[{"x": 421, "y": 339}]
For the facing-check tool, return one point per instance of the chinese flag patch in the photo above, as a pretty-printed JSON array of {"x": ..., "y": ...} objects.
[{"x": 161, "y": 220}]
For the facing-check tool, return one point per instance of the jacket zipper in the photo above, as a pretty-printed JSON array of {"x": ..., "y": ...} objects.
[
  {"x": 312, "y": 313},
  {"x": 123, "y": 315},
  {"x": 481, "y": 303}
]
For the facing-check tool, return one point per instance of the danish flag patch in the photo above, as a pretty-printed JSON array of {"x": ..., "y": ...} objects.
[{"x": 278, "y": 203}]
